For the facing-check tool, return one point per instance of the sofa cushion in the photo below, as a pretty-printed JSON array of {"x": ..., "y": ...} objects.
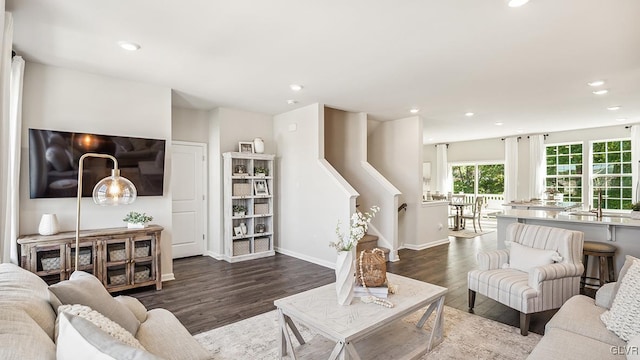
[
  {"x": 525, "y": 258},
  {"x": 134, "y": 305},
  {"x": 566, "y": 345},
  {"x": 80, "y": 339},
  {"x": 84, "y": 288},
  {"x": 164, "y": 335},
  {"x": 105, "y": 324},
  {"x": 624, "y": 316},
  {"x": 604, "y": 295},
  {"x": 22, "y": 289},
  {"x": 22, "y": 338},
  {"x": 581, "y": 315}
]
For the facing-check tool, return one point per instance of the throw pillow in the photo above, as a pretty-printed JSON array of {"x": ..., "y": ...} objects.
[
  {"x": 624, "y": 317},
  {"x": 105, "y": 324},
  {"x": 80, "y": 339},
  {"x": 525, "y": 258},
  {"x": 628, "y": 261},
  {"x": 84, "y": 288}
]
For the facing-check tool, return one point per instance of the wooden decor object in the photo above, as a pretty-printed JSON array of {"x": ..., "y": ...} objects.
[{"x": 371, "y": 267}]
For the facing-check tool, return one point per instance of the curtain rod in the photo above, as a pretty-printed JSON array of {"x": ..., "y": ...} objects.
[
  {"x": 518, "y": 138},
  {"x": 436, "y": 145}
]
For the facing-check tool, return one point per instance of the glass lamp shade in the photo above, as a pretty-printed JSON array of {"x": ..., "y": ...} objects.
[{"x": 114, "y": 190}]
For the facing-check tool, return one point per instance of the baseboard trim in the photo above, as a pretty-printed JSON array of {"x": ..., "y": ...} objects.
[
  {"x": 168, "y": 277},
  {"x": 310, "y": 259},
  {"x": 427, "y": 245},
  {"x": 214, "y": 255}
]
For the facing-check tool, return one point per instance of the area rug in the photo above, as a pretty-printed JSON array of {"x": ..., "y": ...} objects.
[
  {"x": 467, "y": 336},
  {"x": 467, "y": 234}
]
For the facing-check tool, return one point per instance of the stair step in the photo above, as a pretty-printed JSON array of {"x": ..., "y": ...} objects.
[{"x": 370, "y": 242}]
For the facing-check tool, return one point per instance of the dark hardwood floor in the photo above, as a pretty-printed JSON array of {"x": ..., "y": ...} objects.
[{"x": 208, "y": 293}]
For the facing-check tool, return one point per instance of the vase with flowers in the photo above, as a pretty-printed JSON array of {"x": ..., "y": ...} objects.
[{"x": 346, "y": 247}]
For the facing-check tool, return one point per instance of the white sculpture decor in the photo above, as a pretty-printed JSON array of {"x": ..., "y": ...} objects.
[
  {"x": 258, "y": 145},
  {"x": 48, "y": 225},
  {"x": 346, "y": 246}
]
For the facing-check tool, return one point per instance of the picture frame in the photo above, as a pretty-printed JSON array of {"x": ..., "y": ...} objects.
[
  {"x": 260, "y": 188},
  {"x": 245, "y": 147},
  {"x": 237, "y": 231}
]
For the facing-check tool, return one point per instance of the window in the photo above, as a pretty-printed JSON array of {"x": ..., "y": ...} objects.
[
  {"x": 479, "y": 179},
  {"x": 564, "y": 170},
  {"x": 611, "y": 173}
]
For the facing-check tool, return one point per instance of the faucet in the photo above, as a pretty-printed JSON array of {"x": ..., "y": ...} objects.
[{"x": 598, "y": 211}]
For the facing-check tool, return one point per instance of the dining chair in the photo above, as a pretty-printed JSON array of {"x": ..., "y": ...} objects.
[{"x": 475, "y": 214}]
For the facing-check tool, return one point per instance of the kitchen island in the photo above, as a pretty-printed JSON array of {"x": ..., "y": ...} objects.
[{"x": 614, "y": 228}]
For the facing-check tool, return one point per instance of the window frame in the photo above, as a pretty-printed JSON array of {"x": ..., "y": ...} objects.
[
  {"x": 556, "y": 176},
  {"x": 592, "y": 202}
]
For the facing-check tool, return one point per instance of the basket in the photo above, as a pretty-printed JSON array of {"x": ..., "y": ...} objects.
[
  {"x": 260, "y": 209},
  {"x": 371, "y": 267},
  {"x": 261, "y": 244},
  {"x": 242, "y": 189},
  {"x": 117, "y": 277},
  {"x": 141, "y": 250},
  {"x": 240, "y": 247},
  {"x": 117, "y": 252},
  {"x": 84, "y": 258},
  {"x": 50, "y": 262},
  {"x": 141, "y": 274}
]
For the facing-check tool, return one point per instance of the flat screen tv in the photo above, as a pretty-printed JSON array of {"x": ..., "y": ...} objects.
[{"x": 54, "y": 156}]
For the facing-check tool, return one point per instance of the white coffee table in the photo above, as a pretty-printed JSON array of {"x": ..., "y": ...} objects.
[{"x": 359, "y": 330}]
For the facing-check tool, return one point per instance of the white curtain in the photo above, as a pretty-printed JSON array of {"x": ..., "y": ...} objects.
[
  {"x": 635, "y": 160},
  {"x": 442, "y": 169},
  {"x": 510, "y": 169},
  {"x": 11, "y": 75},
  {"x": 537, "y": 166}
]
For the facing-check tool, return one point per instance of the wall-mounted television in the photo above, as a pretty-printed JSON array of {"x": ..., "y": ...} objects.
[{"x": 54, "y": 156}]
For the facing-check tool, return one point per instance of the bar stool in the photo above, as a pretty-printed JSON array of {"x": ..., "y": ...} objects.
[{"x": 604, "y": 254}]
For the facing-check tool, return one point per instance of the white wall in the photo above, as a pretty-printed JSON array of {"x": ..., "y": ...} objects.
[
  {"x": 227, "y": 127},
  {"x": 346, "y": 150},
  {"x": 67, "y": 100},
  {"x": 311, "y": 197},
  {"x": 395, "y": 149},
  {"x": 190, "y": 125},
  {"x": 493, "y": 150}
]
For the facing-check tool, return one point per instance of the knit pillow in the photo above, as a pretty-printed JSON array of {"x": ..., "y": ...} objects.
[
  {"x": 104, "y": 323},
  {"x": 624, "y": 317}
]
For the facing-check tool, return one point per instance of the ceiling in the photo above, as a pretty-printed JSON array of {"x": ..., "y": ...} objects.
[{"x": 526, "y": 67}]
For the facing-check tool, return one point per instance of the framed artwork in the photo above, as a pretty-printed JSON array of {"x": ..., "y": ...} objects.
[
  {"x": 245, "y": 147},
  {"x": 260, "y": 187},
  {"x": 237, "y": 231}
]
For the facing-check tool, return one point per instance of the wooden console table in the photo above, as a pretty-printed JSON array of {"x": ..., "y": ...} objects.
[{"x": 121, "y": 258}]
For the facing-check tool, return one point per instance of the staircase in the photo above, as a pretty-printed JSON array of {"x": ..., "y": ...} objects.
[{"x": 370, "y": 242}]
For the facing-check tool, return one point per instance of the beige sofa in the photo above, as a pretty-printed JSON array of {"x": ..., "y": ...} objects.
[
  {"x": 576, "y": 332},
  {"x": 28, "y": 322}
]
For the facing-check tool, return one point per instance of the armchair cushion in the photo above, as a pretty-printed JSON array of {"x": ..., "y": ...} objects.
[{"x": 525, "y": 258}]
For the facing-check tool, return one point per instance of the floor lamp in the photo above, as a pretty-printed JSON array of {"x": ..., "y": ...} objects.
[{"x": 111, "y": 191}]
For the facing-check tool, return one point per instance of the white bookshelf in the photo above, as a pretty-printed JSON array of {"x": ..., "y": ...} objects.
[{"x": 243, "y": 187}]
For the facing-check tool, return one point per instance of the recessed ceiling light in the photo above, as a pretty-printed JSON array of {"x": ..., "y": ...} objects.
[
  {"x": 596, "y": 83},
  {"x": 614, "y": 108},
  {"x": 621, "y": 119},
  {"x": 296, "y": 87},
  {"x": 128, "y": 45},
  {"x": 414, "y": 110},
  {"x": 291, "y": 101},
  {"x": 520, "y": 131},
  {"x": 517, "y": 3},
  {"x": 430, "y": 139},
  {"x": 499, "y": 123},
  {"x": 469, "y": 114},
  {"x": 600, "y": 92}
]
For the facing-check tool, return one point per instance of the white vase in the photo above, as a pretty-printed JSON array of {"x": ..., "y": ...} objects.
[
  {"x": 48, "y": 225},
  {"x": 635, "y": 215},
  {"x": 258, "y": 145},
  {"x": 345, "y": 276},
  {"x": 136, "y": 226}
]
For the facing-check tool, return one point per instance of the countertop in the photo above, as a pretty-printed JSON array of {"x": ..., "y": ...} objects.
[{"x": 580, "y": 216}]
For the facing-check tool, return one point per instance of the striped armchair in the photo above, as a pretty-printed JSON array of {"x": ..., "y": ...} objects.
[{"x": 544, "y": 287}]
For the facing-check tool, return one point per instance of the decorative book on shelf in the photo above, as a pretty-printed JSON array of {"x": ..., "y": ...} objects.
[{"x": 380, "y": 292}]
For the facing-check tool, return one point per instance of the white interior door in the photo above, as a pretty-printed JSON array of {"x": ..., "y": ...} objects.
[{"x": 188, "y": 179}]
